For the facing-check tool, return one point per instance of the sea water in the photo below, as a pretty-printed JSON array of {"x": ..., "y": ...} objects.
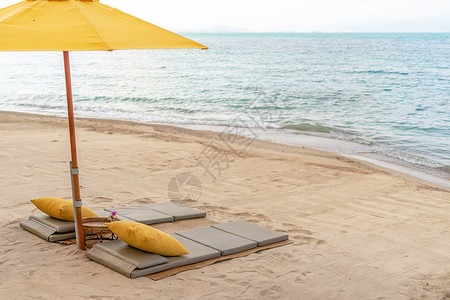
[{"x": 387, "y": 94}]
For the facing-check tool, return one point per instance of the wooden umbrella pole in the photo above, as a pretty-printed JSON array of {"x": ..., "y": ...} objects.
[{"x": 73, "y": 149}]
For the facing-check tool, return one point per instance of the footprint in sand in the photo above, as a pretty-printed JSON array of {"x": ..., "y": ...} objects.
[
  {"x": 274, "y": 292},
  {"x": 321, "y": 243}
]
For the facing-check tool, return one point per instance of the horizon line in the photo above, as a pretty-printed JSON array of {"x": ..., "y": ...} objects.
[{"x": 357, "y": 32}]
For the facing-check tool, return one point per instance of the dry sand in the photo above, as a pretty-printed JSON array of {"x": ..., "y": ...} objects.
[{"x": 359, "y": 231}]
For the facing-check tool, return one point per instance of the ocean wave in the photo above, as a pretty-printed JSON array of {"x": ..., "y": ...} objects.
[
  {"x": 309, "y": 127},
  {"x": 317, "y": 128},
  {"x": 445, "y": 169},
  {"x": 378, "y": 72}
]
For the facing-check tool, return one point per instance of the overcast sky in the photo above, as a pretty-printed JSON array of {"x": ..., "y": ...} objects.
[{"x": 290, "y": 15}]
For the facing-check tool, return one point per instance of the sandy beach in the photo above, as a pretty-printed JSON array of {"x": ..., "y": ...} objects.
[{"x": 359, "y": 231}]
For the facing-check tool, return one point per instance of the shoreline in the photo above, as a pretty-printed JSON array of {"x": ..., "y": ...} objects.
[
  {"x": 330, "y": 145},
  {"x": 345, "y": 148}
]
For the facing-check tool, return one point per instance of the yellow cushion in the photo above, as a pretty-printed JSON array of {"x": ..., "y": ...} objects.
[
  {"x": 60, "y": 208},
  {"x": 147, "y": 238}
]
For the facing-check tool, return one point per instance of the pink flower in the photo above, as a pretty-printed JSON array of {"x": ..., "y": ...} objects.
[{"x": 114, "y": 216}]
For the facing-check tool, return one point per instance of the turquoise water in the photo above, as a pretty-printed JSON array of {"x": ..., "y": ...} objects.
[{"x": 388, "y": 92}]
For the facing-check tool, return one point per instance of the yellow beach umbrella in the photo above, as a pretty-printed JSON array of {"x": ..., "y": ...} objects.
[{"x": 79, "y": 25}]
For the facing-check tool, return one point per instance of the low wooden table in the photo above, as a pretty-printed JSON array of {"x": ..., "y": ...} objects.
[{"x": 97, "y": 227}]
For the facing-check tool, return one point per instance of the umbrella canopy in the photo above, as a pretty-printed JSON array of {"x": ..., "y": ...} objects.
[{"x": 79, "y": 25}]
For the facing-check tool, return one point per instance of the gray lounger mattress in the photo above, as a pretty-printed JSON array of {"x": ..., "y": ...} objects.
[
  {"x": 226, "y": 243},
  {"x": 52, "y": 229},
  {"x": 203, "y": 243},
  {"x": 261, "y": 235},
  {"x": 134, "y": 263},
  {"x": 178, "y": 212},
  {"x": 45, "y": 232},
  {"x": 142, "y": 214},
  {"x": 157, "y": 213}
]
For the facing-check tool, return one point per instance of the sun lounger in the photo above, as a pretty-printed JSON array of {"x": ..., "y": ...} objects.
[
  {"x": 46, "y": 232},
  {"x": 142, "y": 215},
  {"x": 226, "y": 243},
  {"x": 260, "y": 235},
  {"x": 53, "y": 230},
  {"x": 178, "y": 212},
  {"x": 203, "y": 244},
  {"x": 157, "y": 213},
  {"x": 134, "y": 263},
  {"x": 60, "y": 226}
]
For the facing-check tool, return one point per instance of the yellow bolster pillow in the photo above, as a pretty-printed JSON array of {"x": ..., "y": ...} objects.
[
  {"x": 60, "y": 208},
  {"x": 147, "y": 238}
]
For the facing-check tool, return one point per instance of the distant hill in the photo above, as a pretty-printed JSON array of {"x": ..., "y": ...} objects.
[
  {"x": 434, "y": 24},
  {"x": 216, "y": 29}
]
